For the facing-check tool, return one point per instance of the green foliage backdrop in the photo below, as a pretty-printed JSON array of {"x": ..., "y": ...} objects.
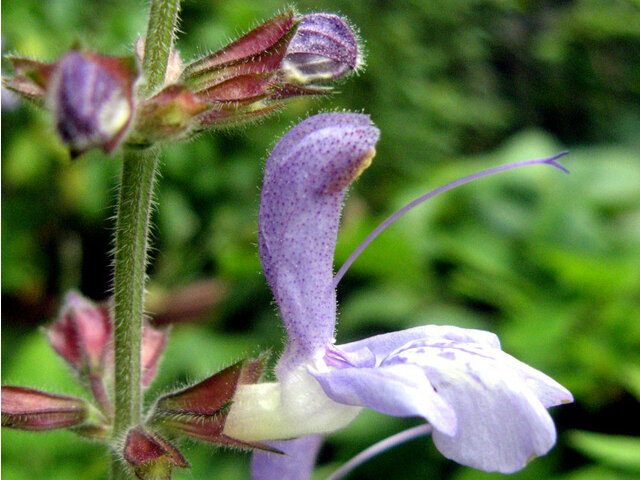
[{"x": 549, "y": 262}]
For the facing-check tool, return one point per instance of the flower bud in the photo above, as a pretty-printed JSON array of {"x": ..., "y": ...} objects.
[
  {"x": 150, "y": 456},
  {"x": 92, "y": 100},
  {"x": 200, "y": 411},
  {"x": 323, "y": 49},
  {"x": 82, "y": 335},
  {"x": 28, "y": 409},
  {"x": 285, "y": 57}
]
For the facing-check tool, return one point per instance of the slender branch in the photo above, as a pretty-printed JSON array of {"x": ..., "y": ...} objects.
[
  {"x": 378, "y": 448},
  {"x": 138, "y": 171},
  {"x": 163, "y": 19}
]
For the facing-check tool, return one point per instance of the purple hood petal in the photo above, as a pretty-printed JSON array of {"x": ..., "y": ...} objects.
[{"x": 306, "y": 178}]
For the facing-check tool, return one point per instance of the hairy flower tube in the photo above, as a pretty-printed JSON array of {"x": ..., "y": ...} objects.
[{"x": 487, "y": 409}]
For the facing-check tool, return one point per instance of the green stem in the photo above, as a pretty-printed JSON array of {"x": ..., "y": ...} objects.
[
  {"x": 138, "y": 172},
  {"x": 131, "y": 243},
  {"x": 163, "y": 18}
]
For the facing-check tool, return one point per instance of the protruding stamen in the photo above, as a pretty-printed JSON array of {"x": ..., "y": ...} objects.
[
  {"x": 449, "y": 186},
  {"x": 380, "y": 447}
]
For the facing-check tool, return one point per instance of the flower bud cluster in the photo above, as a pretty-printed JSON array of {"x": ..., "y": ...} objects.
[
  {"x": 95, "y": 103},
  {"x": 83, "y": 337}
]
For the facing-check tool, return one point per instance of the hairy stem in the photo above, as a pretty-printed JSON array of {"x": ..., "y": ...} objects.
[
  {"x": 163, "y": 18},
  {"x": 132, "y": 232},
  {"x": 138, "y": 172}
]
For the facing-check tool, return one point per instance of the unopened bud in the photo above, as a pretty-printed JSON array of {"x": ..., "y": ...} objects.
[
  {"x": 200, "y": 411},
  {"x": 92, "y": 100},
  {"x": 82, "y": 335},
  {"x": 150, "y": 456},
  {"x": 285, "y": 57},
  {"x": 28, "y": 409},
  {"x": 323, "y": 49}
]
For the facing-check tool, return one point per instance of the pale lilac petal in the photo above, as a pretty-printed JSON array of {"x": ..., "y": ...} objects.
[
  {"x": 296, "y": 463},
  {"x": 399, "y": 390},
  {"x": 306, "y": 178},
  {"x": 385, "y": 344},
  {"x": 501, "y": 423},
  {"x": 548, "y": 391}
]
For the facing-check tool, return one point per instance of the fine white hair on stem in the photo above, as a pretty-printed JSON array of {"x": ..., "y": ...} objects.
[
  {"x": 449, "y": 186},
  {"x": 380, "y": 447}
]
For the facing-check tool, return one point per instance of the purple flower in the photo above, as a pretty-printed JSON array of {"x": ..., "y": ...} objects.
[{"x": 487, "y": 409}]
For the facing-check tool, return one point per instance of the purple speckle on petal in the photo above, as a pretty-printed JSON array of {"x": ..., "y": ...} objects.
[{"x": 305, "y": 181}]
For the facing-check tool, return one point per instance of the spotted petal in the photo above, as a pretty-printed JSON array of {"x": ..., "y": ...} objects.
[
  {"x": 383, "y": 345},
  {"x": 306, "y": 178},
  {"x": 502, "y": 422}
]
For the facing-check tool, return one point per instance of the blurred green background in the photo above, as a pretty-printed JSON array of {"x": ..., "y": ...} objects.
[{"x": 549, "y": 262}]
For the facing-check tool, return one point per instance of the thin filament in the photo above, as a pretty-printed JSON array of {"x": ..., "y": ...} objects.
[
  {"x": 449, "y": 186},
  {"x": 378, "y": 448}
]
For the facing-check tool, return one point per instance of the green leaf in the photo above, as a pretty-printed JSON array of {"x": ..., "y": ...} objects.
[{"x": 614, "y": 450}]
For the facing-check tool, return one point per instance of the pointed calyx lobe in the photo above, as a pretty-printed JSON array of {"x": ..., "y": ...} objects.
[
  {"x": 200, "y": 411},
  {"x": 285, "y": 57},
  {"x": 306, "y": 178},
  {"x": 28, "y": 409},
  {"x": 33, "y": 410},
  {"x": 150, "y": 456}
]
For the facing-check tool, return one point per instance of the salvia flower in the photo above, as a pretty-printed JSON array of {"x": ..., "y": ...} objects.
[
  {"x": 487, "y": 409},
  {"x": 323, "y": 49}
]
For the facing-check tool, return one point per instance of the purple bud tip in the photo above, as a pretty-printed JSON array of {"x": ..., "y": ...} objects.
[
  {"x": 92, "y": 101},
  {"x": 324, "y": 48}
]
